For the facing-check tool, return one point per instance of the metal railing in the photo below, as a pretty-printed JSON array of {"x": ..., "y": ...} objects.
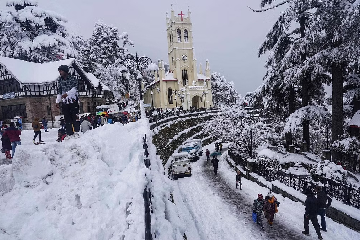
[{"x": 147, "y": 194}]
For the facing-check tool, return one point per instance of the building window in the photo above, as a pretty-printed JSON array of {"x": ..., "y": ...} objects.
[
  {"x": 186, "y": 36},
  {"x": 184, "y": 77},
  {"x": 9, "y": 112},
  {"x": 178, "y": 31},
  {"x": 170, "y": 96}
]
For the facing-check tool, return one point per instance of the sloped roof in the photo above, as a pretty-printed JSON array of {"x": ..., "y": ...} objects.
[
  {"x": 95, "y": 81},
  {"x": 35, "y": 73}
]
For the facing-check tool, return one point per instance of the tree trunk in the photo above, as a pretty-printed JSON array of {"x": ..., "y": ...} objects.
[
  {"x": 305, "y": 92},
  {"x": 337, "y": 101},
  {"x": 288, "y": 135}
]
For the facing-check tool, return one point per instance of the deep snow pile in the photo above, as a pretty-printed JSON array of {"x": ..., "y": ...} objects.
[{"x": 83, "y": 188}]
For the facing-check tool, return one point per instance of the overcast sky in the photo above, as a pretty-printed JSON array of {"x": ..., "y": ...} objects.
[{"x": 226, "y": 32}]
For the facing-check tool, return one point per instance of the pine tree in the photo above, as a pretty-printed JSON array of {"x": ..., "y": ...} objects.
[
  {"x": 30, "y": 33},
  {"x": 223, "y": 92},
  {"x": 105, "y": 54}
]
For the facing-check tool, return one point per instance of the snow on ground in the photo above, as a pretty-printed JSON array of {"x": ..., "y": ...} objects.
[
  {"x": 213, "y": 218},
  {"x": 290, "y": 213},
  {"x": 91, "y": 187},
  {"x": 83, "y": 188}
]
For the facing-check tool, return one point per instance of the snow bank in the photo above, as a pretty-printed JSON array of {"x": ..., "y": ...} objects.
[{"x": 85, "y": 188}]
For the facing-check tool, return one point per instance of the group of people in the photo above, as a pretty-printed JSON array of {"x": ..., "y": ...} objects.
[
  {"x": 267, "y": 207},
  {"x": 314, "y": 206},
  {"x": 10, "y": 138}
]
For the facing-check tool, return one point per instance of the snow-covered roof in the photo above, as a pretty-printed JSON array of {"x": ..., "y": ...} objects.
[
  {"x": 169, "y": 76},
  {"x": 202, "y": 77},
  {"x": 355, "y": 119},
  {"x": 30, "y": 72},
  {"x": 95, "y": 81}
]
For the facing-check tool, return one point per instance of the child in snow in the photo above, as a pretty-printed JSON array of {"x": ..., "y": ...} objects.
[
  {"x": 258, "y": 207},
  {"x": 270, "y": 208}
]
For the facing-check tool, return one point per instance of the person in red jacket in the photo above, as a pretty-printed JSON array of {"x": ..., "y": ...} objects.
[{"x": 14, "y": 135}]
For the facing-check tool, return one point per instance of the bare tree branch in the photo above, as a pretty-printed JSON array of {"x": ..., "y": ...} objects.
[{"x": 270, "y": 8}]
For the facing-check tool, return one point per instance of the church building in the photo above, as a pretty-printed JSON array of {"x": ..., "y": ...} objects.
[{"x": 181, "y": 84}]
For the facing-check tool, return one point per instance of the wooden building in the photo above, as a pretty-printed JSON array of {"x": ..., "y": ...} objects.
[{"x": 28, "y": 89}]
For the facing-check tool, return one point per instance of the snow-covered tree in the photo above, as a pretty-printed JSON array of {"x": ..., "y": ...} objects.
[
  {"x": 223, "y": 92},
  {"x": 106, "y": 55},
  {"x": 30, "y": 33},
  {"x": 311, "y": 45}
]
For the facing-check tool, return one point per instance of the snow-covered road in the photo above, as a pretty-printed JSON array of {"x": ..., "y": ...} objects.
[
  {"x": 213, "y": 218},
  {"x": 220, "y": 211}
]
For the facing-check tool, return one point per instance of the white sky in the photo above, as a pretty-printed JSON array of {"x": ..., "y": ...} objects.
[{"x": 225, "y": 32}]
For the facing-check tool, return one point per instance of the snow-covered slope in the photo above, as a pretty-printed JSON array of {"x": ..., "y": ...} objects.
[{"x": 83, "y": 188}]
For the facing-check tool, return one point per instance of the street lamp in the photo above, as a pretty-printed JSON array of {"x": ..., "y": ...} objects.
[
  {"x": 152, "y": 99},
  {"x": 138, "y": 75}
]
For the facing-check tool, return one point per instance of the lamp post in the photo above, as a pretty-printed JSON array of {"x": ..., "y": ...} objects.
[
  {"x": 138, "y": 74},
  {"x": 152, "y": 99}
]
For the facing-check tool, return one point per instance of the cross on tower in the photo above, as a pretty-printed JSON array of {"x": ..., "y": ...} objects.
[{"x": 181, "y": 14}]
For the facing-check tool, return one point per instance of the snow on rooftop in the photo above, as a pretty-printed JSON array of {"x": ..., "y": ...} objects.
[
  {"x": 30, "y": 72},
  {"x": 355, "y": 119},
  {"x": 169, "y": 76},
  {"x": 95, "y": 81},
  {"x": 202, "y": 77}
]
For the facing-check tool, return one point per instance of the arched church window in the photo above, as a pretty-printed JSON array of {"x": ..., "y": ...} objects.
[
  {"x": 178, "y": 31},
  {"x": 186, "y": 36},
  {"x": 170, "y": 96},
  {"x": 184, "y": 77}
]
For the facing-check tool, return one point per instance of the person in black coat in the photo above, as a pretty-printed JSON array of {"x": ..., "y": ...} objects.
[
  {"x": 238, "y": 179},
  {"x": 324, "y": 203},
  {"x": 215, "y": 163},
  {"x": 311, "y": 211}
]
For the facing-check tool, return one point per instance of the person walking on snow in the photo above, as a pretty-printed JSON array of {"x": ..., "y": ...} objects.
[
  {"x": 258, "y": 207},
  {"x": 238, "y": 179},
  {"x": 311, "y": 211},
  {"x": 207, "y": 155},
  {"x": 215, "y": 163},
  {"x": 14, "y": 135},
  {"x": 68, "y": 96},
  {"x": 270, "y": 208},
  {"x": 6, "y": 146},
  {"x": 44, "y": 123},
  {"x": 324, "y": 202},
  {"x": 37, "y": 129}
]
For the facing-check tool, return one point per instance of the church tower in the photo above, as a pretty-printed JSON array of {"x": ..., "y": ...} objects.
[
  {"x": 181, "y": 56},
  {"x": 180, "y": 86}
]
